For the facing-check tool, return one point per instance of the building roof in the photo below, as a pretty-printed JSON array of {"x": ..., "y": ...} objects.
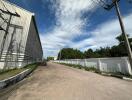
[{"x": 9, "y": 8}]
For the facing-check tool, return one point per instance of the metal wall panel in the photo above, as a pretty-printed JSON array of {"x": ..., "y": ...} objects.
[{"x": 22, "y": 34}]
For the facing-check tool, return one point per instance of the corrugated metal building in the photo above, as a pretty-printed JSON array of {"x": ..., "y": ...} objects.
[{"x": 19, "y": 39}]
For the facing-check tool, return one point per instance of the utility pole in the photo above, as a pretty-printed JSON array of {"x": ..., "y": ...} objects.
[{"x": 127, "y": 44}]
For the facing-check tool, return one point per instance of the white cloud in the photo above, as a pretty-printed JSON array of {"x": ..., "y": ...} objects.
[
  {"x": 105, "y": 34},
  {"x": 70, "y": 25}
]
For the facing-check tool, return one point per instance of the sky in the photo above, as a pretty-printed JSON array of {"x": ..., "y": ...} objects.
[{"x": 79, "y": 24}]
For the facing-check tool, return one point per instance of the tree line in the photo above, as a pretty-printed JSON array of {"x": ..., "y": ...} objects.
[
  {"x": 114, "y": 51},
  {"x": 50, "y": 58}
]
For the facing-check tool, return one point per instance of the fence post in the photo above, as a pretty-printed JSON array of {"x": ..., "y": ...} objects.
[
  {"x": 85, "y": 61},
  {"x": 77, "y": 61},
  {"x": 99, "y": 64},
  {"x": 128, "y": 66}
]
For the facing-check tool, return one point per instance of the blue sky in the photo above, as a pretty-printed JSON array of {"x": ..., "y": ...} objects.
[{"x": 80, "y": 24}]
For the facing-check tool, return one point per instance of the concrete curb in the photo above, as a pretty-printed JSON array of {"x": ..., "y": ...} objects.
[
  {"x": 126, "y": 78},
  {"x": 117, "y": 76},
  {"x": 14, "y": 79}
]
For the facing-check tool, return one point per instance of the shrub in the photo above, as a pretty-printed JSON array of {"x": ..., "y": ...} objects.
[
  {"x": 79, "y": 66},
  {"x": 86, "y": 68}
]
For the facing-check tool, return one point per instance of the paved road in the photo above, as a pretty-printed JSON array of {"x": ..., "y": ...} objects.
[{"x": 59, "y": 82}]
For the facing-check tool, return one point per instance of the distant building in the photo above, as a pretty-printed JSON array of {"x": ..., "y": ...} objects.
[{"x": 19, "y": 38}]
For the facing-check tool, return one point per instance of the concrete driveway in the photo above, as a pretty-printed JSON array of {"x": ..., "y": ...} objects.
[{"x": 59, "y": 82}]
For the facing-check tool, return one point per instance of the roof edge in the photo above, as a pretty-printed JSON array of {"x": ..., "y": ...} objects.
[{"x": 19, "y": 7}]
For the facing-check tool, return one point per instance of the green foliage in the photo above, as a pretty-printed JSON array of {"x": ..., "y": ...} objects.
[
  {"x": 6, "y": 73},
  {"x": 31, "y": 66},
  {"x": 70, "y": 53},
  {"x": 120, "y": 50},
  {"x": 89, "y": 53},
  {"x": 9, "y": 73},
  {"x": 92, "y": 68},
  {"x": 50, "y": 58},
  {"x": 102, "y": 52},
  {"x": 6, "y": 70}
]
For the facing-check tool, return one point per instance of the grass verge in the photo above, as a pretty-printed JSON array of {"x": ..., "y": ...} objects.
[
  {"x": 92, "y": 69},
  {"x": 4, "y": 74}
]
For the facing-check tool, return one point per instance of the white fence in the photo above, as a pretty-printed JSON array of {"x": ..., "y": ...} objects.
[{"x": 115, "y": 64}]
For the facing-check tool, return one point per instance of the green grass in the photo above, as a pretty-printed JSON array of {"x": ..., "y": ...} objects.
[
  {"x": 31, "y": 66},
  {"x": 92, "y": 68},
  {"x": 7, "y": 74},
  {"x": 4, "y": 74}
]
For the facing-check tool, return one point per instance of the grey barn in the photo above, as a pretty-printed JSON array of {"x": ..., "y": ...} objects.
[{"x": 19, "y": 38}]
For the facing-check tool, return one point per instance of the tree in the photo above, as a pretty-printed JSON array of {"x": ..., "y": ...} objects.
[
  {"x": 121, "y": 40},
  {"x": 89, "y": 53},
  {"x": 50, "y": 58},
  {"x": 103, "y": 52},
  {"x": 115, "y": 51},
  {"x": 120, "y": 50},
  {"x": 70, "y": 53}
]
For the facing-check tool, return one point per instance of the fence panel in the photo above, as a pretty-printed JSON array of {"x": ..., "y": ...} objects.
[{"x": 113, "y": 65}]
